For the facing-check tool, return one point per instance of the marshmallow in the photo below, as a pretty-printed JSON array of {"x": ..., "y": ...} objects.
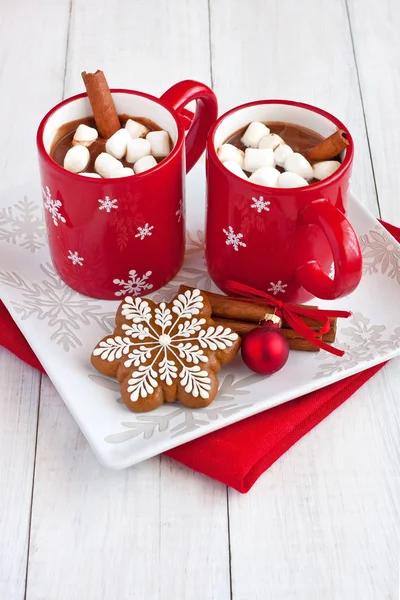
[
  {"x": 159, "y": 141},
  {"x": 116, "y": 145},
  {"x": 265, "y": 176},
  {"x": 84, "y": 135},
  {"x": 233, "y": 167},
  {"x": 124, "y": 172},
  {"x": 323, "y": 169},
  {"x": 254, "y": 159},
  {"x": 291, "y": 180},
  {"x": 144, "y": 164},
  {"x": 296, "y": 163},
  {"x": 281, "y": 154},
  {"x": 105, "y": 164},
  {"x": 272, "y": 140},
  {"x": 137, "y": 148},
  {"x": 253, "y": 134},
  {"x": 95, "y": 175},
  {"x": 228, "y": 152},
  {"x": 135, "y": 129},
  {"x": 77, "y": 159}
]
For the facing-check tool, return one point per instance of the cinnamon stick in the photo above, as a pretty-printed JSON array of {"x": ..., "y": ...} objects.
[
  {"x": 330, "y": 147},
  {"x": 296, "y": 342},
  {"x": 102, "y": 103},
  {"x": 227, "y": 307}
]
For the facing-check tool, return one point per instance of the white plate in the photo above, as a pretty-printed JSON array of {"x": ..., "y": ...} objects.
[{"x": 63, "y": 327}]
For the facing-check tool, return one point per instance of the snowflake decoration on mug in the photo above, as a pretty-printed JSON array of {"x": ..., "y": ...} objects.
[
  {"x": 233, "y": 239},
  {"x": 135, "y": 285},
  {"x": 144, "y": 231},
  {"x": 260, "y": 204},
  {"x": 53, "y": 206},
  {"x": 75, "y": 258},
  {"x": 180, "y": 213},
  {"x": 107, "y": 204},
  {"x": 277, "y": 288}
]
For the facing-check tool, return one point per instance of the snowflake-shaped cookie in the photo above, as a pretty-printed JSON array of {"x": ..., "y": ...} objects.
[{"x": 166, "y": 352}]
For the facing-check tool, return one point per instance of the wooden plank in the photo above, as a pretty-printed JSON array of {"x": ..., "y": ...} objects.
[
  {"x": 375, "y": 27},
  {"x": 291, "y": 50},
  {"x": 157, "y": 530},
  {"x": 323, "y": 522},
  {"x": 31, "y": 75},
  {"x": 86, "y": 516},
  {"x": 19, "y": 395},
  {"x": 31, "y": 80}
]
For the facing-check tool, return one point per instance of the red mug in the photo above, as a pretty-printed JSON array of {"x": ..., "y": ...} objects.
[
  {"x": 293, "y": 243},
  {"x": 111, "y": 237}
]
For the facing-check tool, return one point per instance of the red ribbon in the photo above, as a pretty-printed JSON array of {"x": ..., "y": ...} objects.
[{"x": 292, "y": 315}]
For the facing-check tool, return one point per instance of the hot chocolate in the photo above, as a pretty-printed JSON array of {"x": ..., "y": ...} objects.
[
  {"x": 278, "y": 154},
  {"x": 107, "y": 144},
  {"x": 298, "y": 138},
  {"x": 64, "y": 140}
]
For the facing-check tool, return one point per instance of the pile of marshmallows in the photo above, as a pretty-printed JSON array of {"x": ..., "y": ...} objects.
[
  {"x": 263, "y": 151},
  {"x": 135, "y": 142}
]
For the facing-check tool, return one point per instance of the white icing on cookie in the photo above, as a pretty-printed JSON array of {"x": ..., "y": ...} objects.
[{"x": 166, "y": 344}]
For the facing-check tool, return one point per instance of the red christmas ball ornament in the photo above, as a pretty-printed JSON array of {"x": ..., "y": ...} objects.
[{"x": 265, "y": 349}]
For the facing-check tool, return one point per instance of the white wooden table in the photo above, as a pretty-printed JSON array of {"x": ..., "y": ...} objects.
[{"x": 323, "y": 523}]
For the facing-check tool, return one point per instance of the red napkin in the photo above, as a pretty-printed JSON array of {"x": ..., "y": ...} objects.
[{"x": 237, "y": 455}]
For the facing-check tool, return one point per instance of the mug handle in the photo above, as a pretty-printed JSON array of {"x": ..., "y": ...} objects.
[
  {"x": 345, "y": 250},
  {"x": 205, "y": 116}
]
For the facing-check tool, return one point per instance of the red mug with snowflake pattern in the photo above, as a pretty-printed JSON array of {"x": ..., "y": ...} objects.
[
  {"x": 111, "y": 237},
  {"x": 293, "y": 243}
]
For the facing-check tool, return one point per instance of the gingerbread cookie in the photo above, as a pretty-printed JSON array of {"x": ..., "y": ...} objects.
[{"x": 166, "y": 352}]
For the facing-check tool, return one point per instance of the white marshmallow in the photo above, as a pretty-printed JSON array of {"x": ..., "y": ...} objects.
[
  {"x": 254, "y": 159},
  {"x": 296, "y": 163},
  {"x": 124, "y": 172},
  {"x": 94, "y": 175},
  {"x": 84, "y": 135},
  {"x": 135, "y": 129},
  {"x": 265, "y": 176},
  {"x": 144, "y": 164},
  {"x": 137, "y": 148},
  {"x": 159, "y": 141},
  {"x": 253, "y": 134},
  {"x": 291, "y": 180},
  {"x": 105, "y": 164},
  {"x": 230, "y": 152},
  {"x": 272, "y": 140},
  {"x": 77, "y": 159},
  {"x": 323, "y": 169},
  {"x": 281, "y": 154},
  {"x": 233, "y": 167},
  {"x": 116, "y": 145}
]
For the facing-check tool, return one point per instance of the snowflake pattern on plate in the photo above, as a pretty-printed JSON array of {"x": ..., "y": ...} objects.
[
  {"x": 233, "y": 239},
  {"x": 22, "y": 224},
  {"x": 178, "y": 419},
  {"x": 277, "y": 288},
  {"x": 64, "y": 310},
  {"x": 135, "y": 285},
  {"x": 53, "y": 206},
  {"x": 163, "y": 344},
  {"x": 107, "y": 204},
  {"x": 380, "y": 254},
  {"x": 363, "y": 342},
  {"x": 260, "y": 204},
  {"x": 75, "y": 258},
  {"x": 144, "y": 231}
]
